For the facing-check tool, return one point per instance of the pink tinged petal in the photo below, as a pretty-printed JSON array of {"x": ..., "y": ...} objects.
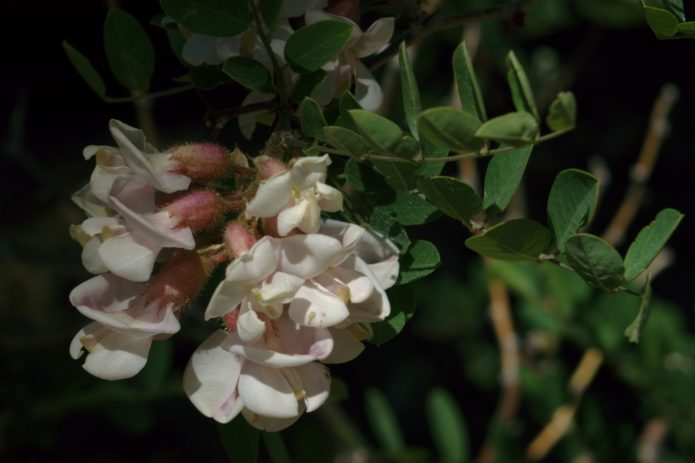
[
  {"x": 298, "y": 339},
  {"x": 360, "y": 285},
  {"x": 226, "y": 297},
  {"x": 316, "y": 381},
  {"x": 375, "y": 38},
  {"x": 306, "y": 256},
  {"x": 88, "y": 202},
  {"x": 103, "y": 178},
  {"x": 265, "y": 391},
  {"x": 307, "y": 172},
  {"x": 272, "y": 196},
  {"x": 367, "y": 90},
  {"x": 315, "y": 306},
  {"x": 211, "y": 379},
  {"x": 107, "y": 293},
  {"x": 135, "y": 194},
  {"x": 268, "y": 358},
  {"x": 329, "y": 198},
  {"x": 95, "y": 225},
  {"x": 128, "y": 258},
  {"x": 91, "y": 259},
  {"x": 249, "y": 327},
  {"x": 201, "y": 49},
  {"x": 346, "y": 347},
  {"x": 267, "y": 424},
  {"x": 117, "y": 355},
  {"x": 133, "y": 146},
  {"x": 280, "y": 288}
]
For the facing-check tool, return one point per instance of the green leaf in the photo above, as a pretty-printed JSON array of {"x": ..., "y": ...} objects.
[
  {"x": 346, "y": 141},
  {"x": 400, "y": 176},
  {"x": 364, "y": 178},
  {"x": 385, "y": 224},
  {"x": 675, "y": 7},
  {"x": 314, "y": 45},
  {"x": 219, "y": 18},
  {"x": 380, "y": 132},
  {"x": 634, "y": 330},
  {"x": 158, "y": 365},
  {"x": 518, "y": 239},
  {"x": 128, "y": 51},
  {"x": 85, "y": 69},
  {"x": 249, "y": 73},
  {"x": 429, "y": 151},
  {"x": 596, "y": 261},
  {"x": 408, "y": 209},
  {"x": 402, "y": 299},
  {"x": 448, "y": 428},
  {"x": 502, "y": 178},
  {"x": 571, "y": 203},
  {"x": 687, "y": 28},
  {"x": 312, "y": 120},
  {"x": 306, "y": 84},
  {"x": 411, "y": 96},
  {"x": 662, "y": 22},
  {"x": 346, "y": 102},
  {"x": 421, "y": 259},
  {"x": 515, "y": 129},
  {"x": 240, "y": 441},
  {"x": 176, "y": 43},
  {"x": 522, "y": 95},
  {"x": 563, "y": 112},
  {"x": 270, "y": 12},
  {"x": 205, "y": 77},
  {"x": 450, "y": 128},
  {"x": 452, "y": 196},
  {"x": 650, "y": 240},
  {"x": 276, "y": 447},
  {"x": 383, "y": 421},
  {"x": 467, "y": 84}
]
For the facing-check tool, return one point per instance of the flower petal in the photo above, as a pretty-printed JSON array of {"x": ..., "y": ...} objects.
[
  {"x": 91, "y": 259},
  {"x": 249, "y": 326},
  {"x": 201, "y": 49},
  {"x": 367, "y": 90},
  {"x": 117, "y": 355},
  {"x": 280, "y": 288},
  {"x": 128, "y": 258},
  {"x": 226, "y": 297},
  {"x": 375, "y": 38},
  {"x": 272, "y": 196},
  {"x": 329, "y": 199},
  {"x": 267, "y": 424},
  {"x": 346, "y": 346},
  {"x": 315, "y": 306},
  {"x": 211, "y": 379},
  {"x": 265, "y": 391},
  {"x": 107, "y": 293},
  {"x": 308, "y": 171},
  {"x": 316, "y": 381},
  {"x": 306, "y": 256}
]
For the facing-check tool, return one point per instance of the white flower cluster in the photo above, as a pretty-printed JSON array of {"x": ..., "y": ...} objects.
[
  {"x": 298, "y": 292},
  {"x": 342, "y": 72}
]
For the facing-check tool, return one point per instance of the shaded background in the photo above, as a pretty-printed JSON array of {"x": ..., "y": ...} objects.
[{"x": 52, "y": 410}]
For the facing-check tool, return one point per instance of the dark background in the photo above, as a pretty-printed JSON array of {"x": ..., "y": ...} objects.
[{"x": 52, "y": 410}]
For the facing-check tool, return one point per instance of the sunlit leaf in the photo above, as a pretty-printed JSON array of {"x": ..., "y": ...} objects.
[
  {"x": 515, "y": 129},
  {"x": 450, "y": 128},
  {"x": 518, "y": 239},
  {"x": 452, "y": 196}
]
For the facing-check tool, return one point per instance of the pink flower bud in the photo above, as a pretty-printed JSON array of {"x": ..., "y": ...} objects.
[
  {"x": 201, "y": 161},
  {"x": 267, "y": 167},
  {"x": 178, "y": 283},
  {"x": 345, "y": 8},
  {"x": 197, "y": 210},
  {"x": 239, "y": 238}
]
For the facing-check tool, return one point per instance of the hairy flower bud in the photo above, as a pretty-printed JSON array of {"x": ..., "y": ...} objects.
[
  {"x": 239, "y": 238},
  {"x": 268, "y": 167},
  {"x": 197, "y": 210},
  {"x": 178, "y": 283},
  {"x": 201, "y": 161}
]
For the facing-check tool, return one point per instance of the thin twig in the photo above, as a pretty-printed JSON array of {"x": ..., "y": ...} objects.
[
  {"x": 651, "y": 440},
  {"x": 149, "y": 96},
  {"x": 507, "y": 340},
  {"x": 642, "y": 170},
  {"x": 563, "y": 416}
]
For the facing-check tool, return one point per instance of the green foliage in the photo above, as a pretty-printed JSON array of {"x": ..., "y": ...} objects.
[
  {"x": 667, "y": 19},
  {"x": 240, "y": 441},
  {"x": 452, "y": 196},
  {"x": 411, "y": 96},
  {"x": 402, "y": 299},
  {"x": 450, "y": 128},
  {"x": 270, "y": 12},
  {"x": 596, "y": 261},
  {"x": 518, "y": 239},
  {"x": 276, "y": 447},
  {"x": 129, "y": 51},
  {"x": 383, "y": 421},
  {"x": 421, "y": 259},
  {"x": 449, "y": 430},
  {"x": 502, "y": 178},
  {"x": 634, "y": 330},
  {"x": 562, "y": 114},
  {"x": 219, "y": 18},
  {"x": 514, "y": 129},
  {"x": 407, "y": 209},
  {"x": 467, "y": 83},
  {"x": 306, "y": 84},
  {"x": 571, "y": 203},
  {"x": 249, "y": 73},
  {"x": 346, "y": 140},
  {"x": 650, "y": 240},
  {"x": 522, "y": 95},
  {"x": 314, "y": 45},
  {"x": 312, "y": 120},
  {"x": 90, "y": 75},
  {"x": 381, "y": 133}
]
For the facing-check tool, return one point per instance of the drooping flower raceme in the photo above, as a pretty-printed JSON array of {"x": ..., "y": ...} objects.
[{"x": 298, "y": 292}]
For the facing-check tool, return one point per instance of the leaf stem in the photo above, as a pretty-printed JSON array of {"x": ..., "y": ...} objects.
[{"x": 148, "y": 96}]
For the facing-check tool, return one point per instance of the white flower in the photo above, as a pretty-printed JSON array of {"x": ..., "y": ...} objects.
[{"x": 297, "y": 196}]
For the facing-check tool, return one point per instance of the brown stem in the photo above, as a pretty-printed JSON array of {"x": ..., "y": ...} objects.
[
  {"x": 651, "y": 440},
  {"x": 642, "y": 170}
]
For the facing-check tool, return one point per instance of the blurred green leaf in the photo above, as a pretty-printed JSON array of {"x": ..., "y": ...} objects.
[
  {"x": 596, "y": 261},
  {"x": 306, "y": 84},
  {"x": 562, "y": 114},
  {"x": 450, "y": 128},
  {"x": 312, "y": 120},
  {"x": 518, "y": 239},
  {"x": 219, "y": 18},
  {"x": 159, "y": 362},
  {"x": 380, "y": 132},
  {"x": 314, "y": 45},
  {"x": 650, "y": 240},
  {"x": 571, "y": 203},
  {"x": 339, "y": 390},
  {"x": 675, "y": 7},
  {"x": 408, "y": 209},
  {"x": 522, "y": 95},
  {"x": 276, "y": 447},
  {"x": 662, "y": 22},
  {"x": 687, "y": 28},
  {"x": 346, "y": 141},
  {"x": 402, "y": 299},
  {"x": 411, "y": 96},
  {"x": 502, "y": 178},
  {"x": 452, "y": 196},
  {"x": 85, "y": 69},
  {"x": 467, "y": 84},
  {"x": 240, "y": 440},
  {"x": 249, "y": 73},
  {"x": 128, "y": 51},
  {"x": 383, "y": 421},
  {"x": 515, "y": 129},
  {"x": 421, "y": 259},
  {"x": 634, "y": 331},
  {"x": 270, "y": 12},
  {"x": 448, "y": 428}
]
